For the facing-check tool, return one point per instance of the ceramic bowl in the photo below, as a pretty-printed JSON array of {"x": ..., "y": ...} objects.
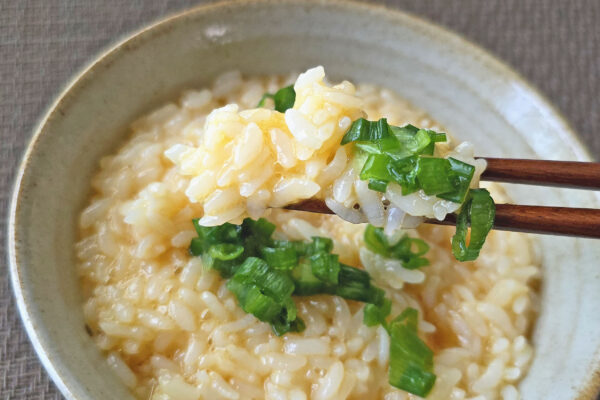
[{"x": 471, "y": 93}]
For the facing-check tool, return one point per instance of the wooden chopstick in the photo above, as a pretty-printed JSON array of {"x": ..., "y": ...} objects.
[
  {"x": 568, "y": 174},
  {"x": 580, "y": 222}
]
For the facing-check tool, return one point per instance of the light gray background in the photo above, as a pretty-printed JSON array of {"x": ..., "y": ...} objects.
[{"x": 555, "y": 44}]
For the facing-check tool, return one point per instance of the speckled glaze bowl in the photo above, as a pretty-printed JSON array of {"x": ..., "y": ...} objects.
[{"x": 475, "y": 96}]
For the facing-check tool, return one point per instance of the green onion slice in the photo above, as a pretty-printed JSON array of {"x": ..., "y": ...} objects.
[
  {"x": 479, "y": 211},
  {"x": 433, "y": 175},
  {"x": 320, "y": 244},
  {"x": 404, "y": 172},
  {"x": 460, "y": 174},
  {"x": 408, "y": 250},
  {"x": 273, "y": 283},
  {"x": 362, "y": 130},
  {"x": 225, "y": 251},
  {"x": 325, "y": 267},
  {"x": 411, "y": 140},
  {"x": 376, "y": 315},
  {"x": 378, "y": 185},
  {"x": 284, "y": 98},
  {"x": 376, "y": 167},
  {"x": 355, "y": 284},
  {"x": 266, "y": 293},
  {"x": 411, "y": 360},
  {"x": 401, "y": 155},
  {"x": 284, "y": 258},
  {"x": 264, "y": 274},
  {"x": 306, "y": 283}
]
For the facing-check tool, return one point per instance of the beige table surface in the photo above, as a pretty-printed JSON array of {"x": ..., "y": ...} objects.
[{"x": 555, "y": 44}]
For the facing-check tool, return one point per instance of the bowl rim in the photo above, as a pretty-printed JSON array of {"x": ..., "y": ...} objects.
[{"x": 131, "y": 39}]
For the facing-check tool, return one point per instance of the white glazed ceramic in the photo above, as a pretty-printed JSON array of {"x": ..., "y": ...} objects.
[{"x": 475, "y": 96}]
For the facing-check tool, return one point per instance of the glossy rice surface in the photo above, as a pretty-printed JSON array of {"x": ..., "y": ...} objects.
[{"x": 171, "y": 329}]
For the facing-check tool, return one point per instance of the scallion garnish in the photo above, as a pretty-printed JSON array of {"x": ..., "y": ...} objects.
[
  {"x": 265, "y": 293},
  {"x": 264, "y": 274},
  {"x": 479, "y": 211},
  {"x": 284, "y": 98},
  {"x": 434, "y": 175},
  {"x": 376, "y": 315},
  {"x": 376, "y": 168},
  {"x": 404, "y": 155},
  {"x": 378, "y": 185},
  {"x": 362, "y": 130},
  {"x": 411, "y": 360},
  {"x": 408, "y": 250},
  {"x": 325, "y": 267},
  {"x": 280, "y": 257},
  {"x": 460, "y": 175}
]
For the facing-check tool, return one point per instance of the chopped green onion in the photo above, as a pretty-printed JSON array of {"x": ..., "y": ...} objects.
[
  {"x": 402, "y": 155},
  {"x": 376, "y": 241},
  {"x": 305, "y": 281},
  {"x": 376, "y": 315},
  {"x": 260, "y": 228},
  {"x": 197, "y": 246},
  {"x": 253, "y": 301},
  {"x": 264, "y": 286},
  {"x": 376, "y": 167},
  {"x": 362, "y": 130},
  {"x": 280, "y": 257},
  {"x": 460, "y": 175},
  {"x": 282, "y": 327},
  {"x": 408, "y": 250},
  {"x": 378, "y": 185},
  {"x": 284, "y": 98},
  {"x": 300, "y": 247},
  {"x": 411, "y": 361},
  {"x": 479, "y": 211},
  {"x": 354, "y": 276},
  {"x": 412, "y": 141},
  {"x": 226, "y": 233},
  {"x": 437, "y": 137},
  {"x": 355, "y": 284},
  {"x": 223, "y": 262},
  {"x": 433, "y": 175},
  {"x": 225, "y": 251},
  {"x": 325, "y": 267},
  {"x": 399, "y": 143},
  {"x": 319, "y": 245},
  {"x": 404, "y": 172},
  {"x": 272, "y": 282},
  {"x": 409, "y": 316},
  {"x": 223, "y": 258},
  {"x": 396, "y": 154},
  {"x": 370, "y": 294},
  {"x": 266, "y": 293},
  {"x": 226, "y": 268}
]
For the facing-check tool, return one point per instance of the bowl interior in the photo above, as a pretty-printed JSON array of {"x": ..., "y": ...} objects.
[{"x": 472, "y": 94}]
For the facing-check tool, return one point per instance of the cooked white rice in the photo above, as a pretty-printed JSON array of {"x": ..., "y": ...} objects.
[
  {"x": 171, "y": 330},
  {"x": 243, "y": 162}
]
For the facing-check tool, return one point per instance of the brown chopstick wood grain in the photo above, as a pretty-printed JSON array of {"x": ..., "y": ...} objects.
[
  {"x": 580, "y": 222},
  {"x": 568, "y": 174}
]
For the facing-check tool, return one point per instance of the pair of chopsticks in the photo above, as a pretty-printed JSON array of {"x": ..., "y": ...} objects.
[{"x": 581, "y": 222}]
